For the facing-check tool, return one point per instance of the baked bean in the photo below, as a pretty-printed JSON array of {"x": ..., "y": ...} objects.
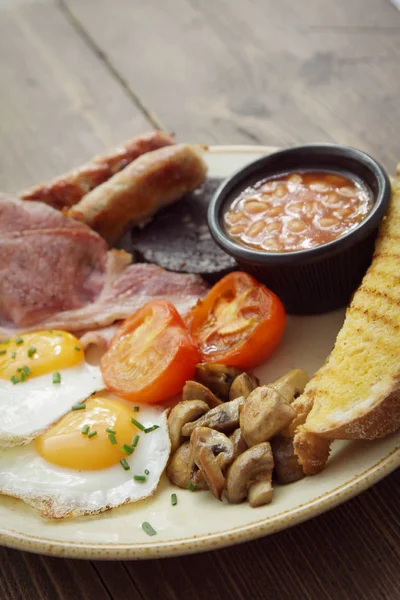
[
  {"x": 336, "y": 180},
  {"x": 274, "y": 226},
  {"x": 235, "y": 217},
  {"x": 295, "y": 208},
  {"x": 270, "y": 244},
  {"x": 296, "y": 226},
  {"x": 347, "y": 191},
  {"x": 328, "y": 222},
  {"x": 295, "y": 178},
  {"x": 281, "y": 191},
  {"x": 254, "y": 207},
  {"x": 299, "y": 211},
  {"x": 320, "y": 186},
  {"x": 343, "y": 212},
  {"x": 255, "y": 229},
  {"x": 238, "y": 229},
  {"x": 275, "y": 211},
  {"x": 268, "y": 188}
]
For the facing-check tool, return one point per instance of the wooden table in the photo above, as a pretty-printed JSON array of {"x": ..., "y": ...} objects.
[{"x": 77, "y": 76}]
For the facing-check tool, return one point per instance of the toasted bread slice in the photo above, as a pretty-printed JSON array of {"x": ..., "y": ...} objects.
[{"x": 356, "y": 393}]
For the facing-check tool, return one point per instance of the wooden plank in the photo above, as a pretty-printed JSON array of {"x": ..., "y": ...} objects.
[
  {"x": 359, "y": 14},
  {"x": 259, "y": 71},
  {"x": 59, "y": 104}
]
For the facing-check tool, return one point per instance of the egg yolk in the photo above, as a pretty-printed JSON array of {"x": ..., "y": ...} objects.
[
  {"x": 41, "y": 351},
  {"x": 66, "y": 444}
]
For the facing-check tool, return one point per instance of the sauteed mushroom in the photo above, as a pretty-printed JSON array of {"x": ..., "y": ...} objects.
[
  {"x": 245, "y": 470},
  {"x": 243, "y": 385},
  {"x": 291, "y": 384},
  {"x": 238, "y": 441},
  {"x": 218, "y": 378},
  {"x": 264, "y": 414},
  {"x": 211, "y": 451},
  {"x": 193, "y": 390},
  {"x": 183, "y": 413},
  {"x": 224, "y": 417},
  {"x": 179, "y": 468},
  {"x": 287, "y": 468},
  {"x": 260, "y": 492}
]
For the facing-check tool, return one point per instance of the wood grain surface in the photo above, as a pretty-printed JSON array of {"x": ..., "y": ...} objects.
[{"x": 77, "y": 76}]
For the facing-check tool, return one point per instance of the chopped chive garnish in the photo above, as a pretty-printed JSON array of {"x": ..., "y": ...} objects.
[
  {"x": 146, "y": 472},
  {"x": 77, "y": 348},
  {"x": 22, "y": 376},
  {"x": 85, "y": 429},
  {"x": 3, "y": 351},
  {"x": 13, "y": 355},
  {"x": 56, "y": 377},
  {"x": 92, "y": 434},
  {"x": 152, "y": 428},
  {"x": 14, "y": 379},
  {"x": 111, "y": 430},
  {"x": 31, "y": 351},
  {"x": 26, "y": 370},
  {"x": 135, "y": 440},
  {"x": 49, "y": 330},
  {"x": 126, "y": 449},
  {"x": 136, "y": 409},
  {"x": 5, "y": 341},
  {"x": 124, "y": 464},
  {"x": 174, "y": 499},
  {"x": 19, "y": 370},
  {"x": 19, "y": 340},
  {"x": 139, "y": 478},
  {"x": 112, "y": 438},
  {"x": 192, "y": 487},
  {"x": 137, "y": 424},
  {"x": 147, "y": 528},
  {"x": 78, "y": 406}
]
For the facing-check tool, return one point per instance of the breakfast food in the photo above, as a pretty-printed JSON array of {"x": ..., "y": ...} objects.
[
  {"x": 66, "y": 190},
  {"x": 42, "y": 375},
  {"x": 240, "y": 322},
  {"x": 57, "y": 273},
  {"x": 183, "y": 229},
  {"x": 78, "y": 437},
  {"x": 232, "y": 447},
  {"x": 297, "y": 211},
  {"x": 92, "y": 460},
  {"x": 133, "y": 195},
  {"x": 151, "y": 355},
  {"x": 355, "y": 394}
]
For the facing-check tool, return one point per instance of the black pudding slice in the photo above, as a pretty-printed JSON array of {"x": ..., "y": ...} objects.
[{"x": 178, "y": 238}]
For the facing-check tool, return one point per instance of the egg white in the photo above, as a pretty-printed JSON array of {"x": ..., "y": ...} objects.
[
  {"x": 58, "y": 492},
  {"x": 30, "y": 408}
]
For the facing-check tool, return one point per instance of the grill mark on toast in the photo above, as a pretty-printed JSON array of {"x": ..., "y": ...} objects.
[
  {"x": 376, "y": 272},
  {"x": 382, "y": 255},
  {"x": 378, "y": 294},
  {"x": 372, "y": 315}
]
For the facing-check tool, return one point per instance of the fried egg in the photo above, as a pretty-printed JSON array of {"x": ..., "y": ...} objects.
[
  {"x": 42, "y": 374},
  {"x": 107, "y": 454}
]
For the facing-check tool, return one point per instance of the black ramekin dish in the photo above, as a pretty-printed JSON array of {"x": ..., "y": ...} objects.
[{"x": 319, "y": 279}]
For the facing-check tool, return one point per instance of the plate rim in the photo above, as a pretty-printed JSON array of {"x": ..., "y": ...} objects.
[{"x": 211, "y": 541}]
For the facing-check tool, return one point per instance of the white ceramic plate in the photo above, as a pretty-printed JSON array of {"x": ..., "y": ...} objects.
[{"x": 199, "y": 522}]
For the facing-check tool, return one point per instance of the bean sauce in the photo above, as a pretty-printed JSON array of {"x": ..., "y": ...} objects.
[{"x": 297, "y": 211}]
